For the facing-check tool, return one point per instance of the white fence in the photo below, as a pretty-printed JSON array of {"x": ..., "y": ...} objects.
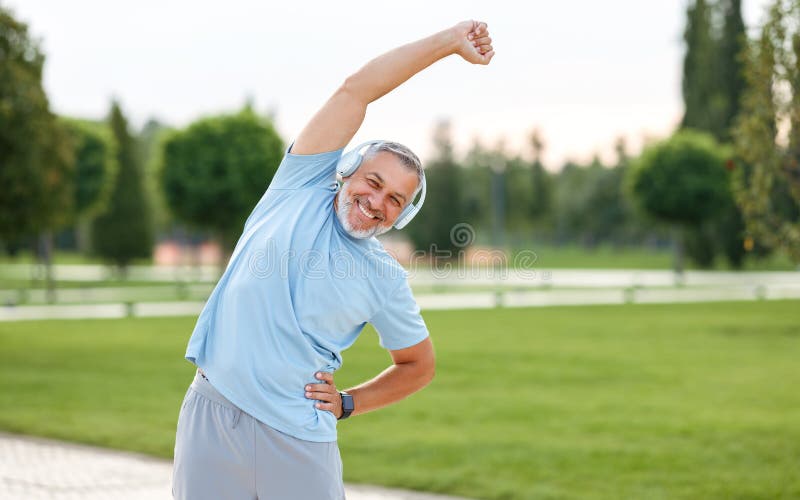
[{"x": 458, "y": 289}]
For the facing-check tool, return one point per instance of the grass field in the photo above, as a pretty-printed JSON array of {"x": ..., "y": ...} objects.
[
  {"x": 639, "y": 401},
  {"x": 609, "y": 257}
]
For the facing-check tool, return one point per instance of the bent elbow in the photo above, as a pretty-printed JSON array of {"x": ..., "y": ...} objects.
[
  {"x": 353, "y": 88},
  {"x": 429, "y": 372}
]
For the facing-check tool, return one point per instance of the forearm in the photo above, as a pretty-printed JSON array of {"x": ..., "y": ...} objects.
[
  {"x": 393, "y": 384},
  {"x": 388, "y": 71},
  {"x": 335, "y": 124}
]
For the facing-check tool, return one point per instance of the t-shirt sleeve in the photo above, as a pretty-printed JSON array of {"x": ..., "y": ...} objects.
[
  {"x": 303, "y": 171},
  {"x": 399, "y": 323}
]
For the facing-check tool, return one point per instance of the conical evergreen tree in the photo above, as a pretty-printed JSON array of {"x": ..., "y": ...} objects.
[
  {"x": 698, "y": 66},
  {"x": 124, "y": 232},
  {"x": 730, "y": 60}
]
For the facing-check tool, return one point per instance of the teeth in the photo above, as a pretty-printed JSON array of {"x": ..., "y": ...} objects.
[{"x": 363, "y": 211}]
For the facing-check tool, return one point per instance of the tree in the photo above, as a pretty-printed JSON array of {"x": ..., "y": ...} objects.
[
  {"x": 730, "y": 66},
  {"x": 767, "y": 173},
  {"x": 712, "y": 87},
  {"x": 518, "y": 195},
  {"x": 605, "y": 202},
  {"x": 214, "y": 172},
  {"x": 149, "y": 149},
  {"x": 475, "y": 195},
  {"x": 541, "y": 196},
  {"x": 35, "y": 153},
  {"x": 728, "y": 228},
  {"x": 95, "y": 170},
  {"x": 698, "y": 85},
  {"x": 124, "y": 231},
  {"x": 444, "y": 205},
  {"x": 681, "y": 181}
]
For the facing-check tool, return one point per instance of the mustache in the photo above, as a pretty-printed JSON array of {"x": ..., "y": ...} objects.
[{"x": 367, "y": 205}]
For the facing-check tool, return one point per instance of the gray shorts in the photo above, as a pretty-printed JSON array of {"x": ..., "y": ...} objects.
[{"x": 223, "y": 452}]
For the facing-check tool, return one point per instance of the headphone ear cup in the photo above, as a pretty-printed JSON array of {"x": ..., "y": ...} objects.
[
  {"x": 405, "y": 216},
  {"x": 348, "y": 164}
]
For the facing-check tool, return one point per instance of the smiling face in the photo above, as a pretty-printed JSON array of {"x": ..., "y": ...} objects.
[{"x": 372, "y": 198}]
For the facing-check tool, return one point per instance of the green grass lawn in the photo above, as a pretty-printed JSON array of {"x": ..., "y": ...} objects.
[
  {"x": 63, "y": 257},
  {"x": 609, "y": 257},
  {"x": 637, "y": 401}
]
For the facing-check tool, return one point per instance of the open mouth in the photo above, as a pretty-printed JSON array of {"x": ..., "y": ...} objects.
[{"x": 364, "y": 211}]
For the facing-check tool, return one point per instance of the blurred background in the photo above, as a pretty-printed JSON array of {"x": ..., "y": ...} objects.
[{"x": 613, "y": 219}]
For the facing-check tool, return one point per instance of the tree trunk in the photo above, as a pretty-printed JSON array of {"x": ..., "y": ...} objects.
[
  {"x": 45, "y": 255},
  {"x": 83, "y": 236},
  {"x": 678, "y": 255}
]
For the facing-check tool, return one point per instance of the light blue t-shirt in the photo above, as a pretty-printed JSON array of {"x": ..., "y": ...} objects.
[{"x": 296, "y": 293}]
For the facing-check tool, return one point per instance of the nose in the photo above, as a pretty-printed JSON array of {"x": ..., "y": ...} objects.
[{"x": 375, "y": 203}]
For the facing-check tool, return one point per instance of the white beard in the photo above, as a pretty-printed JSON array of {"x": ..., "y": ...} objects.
[{"x": 344, "y": 204}]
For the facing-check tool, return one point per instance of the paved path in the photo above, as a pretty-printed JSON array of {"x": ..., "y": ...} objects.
[{"x": 35, "y": 468}]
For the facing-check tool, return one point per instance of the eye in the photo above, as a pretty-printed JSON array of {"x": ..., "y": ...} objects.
[
  {"x": 395, "y": 201},
  {"x": 372, "y": 182}
]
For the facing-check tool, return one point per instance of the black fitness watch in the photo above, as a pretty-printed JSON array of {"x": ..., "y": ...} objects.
[{"x": 347, "y": 405}]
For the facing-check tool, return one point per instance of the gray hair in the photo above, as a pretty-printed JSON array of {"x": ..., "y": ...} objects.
[{"x": 404, "y": 154}]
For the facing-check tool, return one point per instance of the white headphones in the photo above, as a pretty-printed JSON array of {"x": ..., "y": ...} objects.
[{"x": 350, "y": 162}]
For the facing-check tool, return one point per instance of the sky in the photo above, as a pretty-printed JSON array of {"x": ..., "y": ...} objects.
[{"x": 581, "y": 72}]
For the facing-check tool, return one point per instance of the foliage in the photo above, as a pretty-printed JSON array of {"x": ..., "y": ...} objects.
[
  {"x": 35, "y": 153},
  {"x": 124, "y": 231},
  {"x": 702, "y": 102},
  {"x": 149, "y": 142},
  {"x": 95, "y": 165},
  {"x": 768, "y": 174},
  {"x": 712, "y": 84},
  {"x": 681, "y": 180},
  {"x": 444, "y": 205},
  {"x": 214, "y": 172},
  {"x": 731, "y": 48},
  {"x": 541, "y": 182}
]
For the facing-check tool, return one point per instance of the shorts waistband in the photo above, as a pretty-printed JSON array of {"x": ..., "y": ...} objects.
[{"x": 202, "y": 385}]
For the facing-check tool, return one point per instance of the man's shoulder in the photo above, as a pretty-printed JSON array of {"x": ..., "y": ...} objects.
[
  {"x": 313, "y": 170},
  {"x": 384, "y": 263}
]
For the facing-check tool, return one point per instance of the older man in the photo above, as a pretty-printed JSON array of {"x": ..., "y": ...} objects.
[{"x": 259, "y": 420}]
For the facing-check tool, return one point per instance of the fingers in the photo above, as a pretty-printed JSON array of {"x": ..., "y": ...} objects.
[
  {"x": 326, "y": 396},
  {"x": 322, "y": 396},
  {"x": 325, "y": 376},
  {"x": 321, "y": 388},
  {"x": 480, "y": 38},
  {"x": 484, "y": 49},
  {"x": 478, "y": 30},
  {"x": 326, "y": 407}
]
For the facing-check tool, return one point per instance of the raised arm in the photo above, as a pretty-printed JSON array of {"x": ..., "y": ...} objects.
[{"x": 335, "y": 124}]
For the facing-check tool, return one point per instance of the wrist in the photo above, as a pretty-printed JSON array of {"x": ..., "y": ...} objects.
[
  {"x": 450, "y": 40},
  {"x": 348, "y": 405}
]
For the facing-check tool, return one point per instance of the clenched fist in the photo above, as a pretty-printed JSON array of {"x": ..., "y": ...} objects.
[{"x": 474, "y": 42}]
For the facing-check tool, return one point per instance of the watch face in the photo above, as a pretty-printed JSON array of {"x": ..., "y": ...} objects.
[{"x": 347, "y": 402}]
